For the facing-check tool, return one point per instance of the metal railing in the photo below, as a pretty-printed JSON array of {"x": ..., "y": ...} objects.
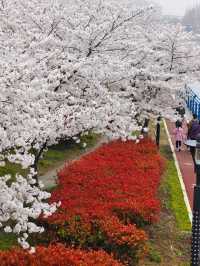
[{"x": 193, "y": 102}]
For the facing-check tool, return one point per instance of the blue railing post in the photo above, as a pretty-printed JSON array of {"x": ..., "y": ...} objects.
[
  {"x": 188, "y": 101},
  {"x": 190, "y": 104},
  {"x": 196, "y": 108},
  {"x": 193, "y": 104},
  {"x": 199, "y": 111},
  {"x": 193, "y": 101}
]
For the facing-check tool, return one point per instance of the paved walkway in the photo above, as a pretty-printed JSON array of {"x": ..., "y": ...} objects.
[
  {"x": 186, "y": 165},
  {"x": 49, "y": 179}
]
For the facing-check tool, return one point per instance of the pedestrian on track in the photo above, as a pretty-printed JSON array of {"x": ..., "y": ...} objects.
[
  {"x": 193, "y": 131},
  {"x": 179, "y": 135}
]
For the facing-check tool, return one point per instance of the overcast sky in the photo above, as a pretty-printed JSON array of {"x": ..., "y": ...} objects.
[{"x": 176, "y": 7}]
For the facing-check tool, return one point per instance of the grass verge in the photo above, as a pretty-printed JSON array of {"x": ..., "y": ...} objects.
[
  {"x": 170, "y": 238},
  {"x": 58, "y": 154},
  {"x": 7, "y": 240},
  {"x": 175, "y": 202}
]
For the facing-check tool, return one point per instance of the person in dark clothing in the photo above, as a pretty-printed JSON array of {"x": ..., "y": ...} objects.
[
  {"x": 144, "y": 130},
  {"x": 181, "y": 110},
  {"x": 158, "y": 131},
  {"x": 193, "y": 131},
  {"x": 178, "y": 123},
  {"x": 193, "y": 127}
]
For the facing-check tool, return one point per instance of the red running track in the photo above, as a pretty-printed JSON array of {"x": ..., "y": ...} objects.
[{"x": 186, "y": 164}]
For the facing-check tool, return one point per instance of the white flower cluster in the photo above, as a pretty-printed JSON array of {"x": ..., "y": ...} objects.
[{"x": 19, "y": 202}]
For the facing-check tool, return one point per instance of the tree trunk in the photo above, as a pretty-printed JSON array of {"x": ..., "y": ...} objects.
[{"x": 36, "y": 161}]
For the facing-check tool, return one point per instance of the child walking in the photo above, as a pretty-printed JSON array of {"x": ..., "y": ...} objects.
[{"x": 179, "y": 135}]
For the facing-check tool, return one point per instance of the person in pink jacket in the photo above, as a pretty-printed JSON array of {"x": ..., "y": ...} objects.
[{"x": 179, "y": 135}]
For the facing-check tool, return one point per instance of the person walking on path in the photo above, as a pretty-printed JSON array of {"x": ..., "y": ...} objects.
[
  {"x": 180, "y": 110},
  {"x": 179, "y": 135},
  {"x": 158, "y": 131},
  {"x": 193, "y": 127},
  {"x": 193, "y": 131}
]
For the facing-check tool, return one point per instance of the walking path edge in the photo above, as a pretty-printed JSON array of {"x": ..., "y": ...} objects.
[
  {"x": 49, "y": 179},
  {"x": 179, "y": 173}
]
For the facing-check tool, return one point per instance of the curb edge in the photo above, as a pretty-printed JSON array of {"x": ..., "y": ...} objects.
[{"x": 179, "y": 174}]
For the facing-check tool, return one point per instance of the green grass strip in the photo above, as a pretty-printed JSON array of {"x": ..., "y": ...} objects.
[{"x": 171, "y": 185}]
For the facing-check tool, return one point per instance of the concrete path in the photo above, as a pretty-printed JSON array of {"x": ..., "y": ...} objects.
[
  {"x": 49, "y": 179},
  {"x": 186, "y": 165}
]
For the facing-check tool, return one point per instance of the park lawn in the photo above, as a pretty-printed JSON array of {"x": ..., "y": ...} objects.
[
  {"x": 7, "y": 240},
  {"x": 12, "y": 169},
  {"x": 58, "y": 154},
  {"x": 54, "y": 156}
]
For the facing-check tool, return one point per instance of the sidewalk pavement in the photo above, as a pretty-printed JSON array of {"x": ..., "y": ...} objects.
[{"x": 186, "y": 165}]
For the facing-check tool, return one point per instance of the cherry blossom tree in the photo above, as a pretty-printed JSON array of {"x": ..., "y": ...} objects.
[
  {"x": 171, "y": 61},
  {"x": 47, "y": 94},
  {"x": 51, "y": 60},
  {"x": 20, "y": 203},
  {"x": 71, "y": 66}
]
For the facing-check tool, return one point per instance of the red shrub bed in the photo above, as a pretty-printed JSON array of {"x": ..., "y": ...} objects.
[
  {"x": 109, "y": 192},
  {"x": 118, "y": 175},
  {"x": 56, "y": 255}
]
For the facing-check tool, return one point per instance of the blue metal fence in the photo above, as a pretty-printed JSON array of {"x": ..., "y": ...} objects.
[{"x": 193, "y": 101}]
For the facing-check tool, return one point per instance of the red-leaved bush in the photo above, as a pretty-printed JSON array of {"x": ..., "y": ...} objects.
[
  {"x": 107, "y": 196},
  {"x": 56, "y": 255},
  {"x": 120, "y": 176}
]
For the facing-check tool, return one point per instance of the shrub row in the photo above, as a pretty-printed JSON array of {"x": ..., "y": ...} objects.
[
  {"x": 56, "y": 255},
  {"x": 107, "y": 196}
]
